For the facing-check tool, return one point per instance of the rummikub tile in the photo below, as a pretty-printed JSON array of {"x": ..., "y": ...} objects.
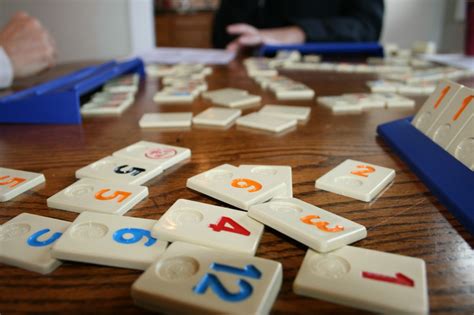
[
  {"x": 120, "y": 170},
  {"x": 216, "y": 116},
  {"x": 159, "y": 154},
  {"x": 99, "y": 196},
  {"x": 264, "y": 122},
  {"x": 292, "y": 112},
  {"x": 212, "y": 226},
  {"x": 238, "y": 187},
  {"x": 280, "y": 173},
  {"x": 154, "y": 120},
  {"x": 314, "y": 227},
  {"x": 435, "y": 105},
  {"x": 110, "y": 240},
  {"x": 366, "y": 279},
  {"x": 355, "y": 179},
  {"x": 15, "y": 182},
  {"x": 194, "y": 279},
  {"x": 26, "y": 242},
  {"x": 462, "y": 147},
  {"x": 450, "y": 123}
]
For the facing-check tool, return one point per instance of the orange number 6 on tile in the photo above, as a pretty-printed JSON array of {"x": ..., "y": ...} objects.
[
  {"x": 122, "y": 195},
  {"x": 246, "y": 183}
]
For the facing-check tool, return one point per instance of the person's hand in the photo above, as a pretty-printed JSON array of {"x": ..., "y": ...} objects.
[
  {"x": 28, "y": 44},
  {"x": 247, "y": 35}
]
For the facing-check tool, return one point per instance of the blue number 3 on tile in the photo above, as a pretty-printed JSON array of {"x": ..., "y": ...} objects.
[
  {"x": 212, "y": 281},
  {"x": 33, "y": 239},
  {"x": 136, "y": 236}
]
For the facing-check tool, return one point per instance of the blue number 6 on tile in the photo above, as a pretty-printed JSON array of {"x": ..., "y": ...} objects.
[
  {"x": 33, "y": 239},
  {"x": 137, "y": 235}
]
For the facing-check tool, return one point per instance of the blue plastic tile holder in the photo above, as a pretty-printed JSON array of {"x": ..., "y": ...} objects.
[
  {"x": 58, "y": 101},
  {"x": 447, "y": 178}
]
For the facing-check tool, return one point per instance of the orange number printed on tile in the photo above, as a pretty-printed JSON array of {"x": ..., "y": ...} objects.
[
  {"x": 14, "y": 180},
  {"x": 122, "y": 195},
  {"x": 246, "y": 183},
  {"x": 441, "y": 96},
  {"x": 322, "y": 225},
  {"x": 366, "y": 170},
  {"x": 464, "y": 104}
]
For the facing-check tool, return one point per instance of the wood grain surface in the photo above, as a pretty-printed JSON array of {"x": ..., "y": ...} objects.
[{"x": 406, "y": 219}]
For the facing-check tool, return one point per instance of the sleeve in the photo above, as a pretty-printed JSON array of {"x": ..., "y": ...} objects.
[
  {"x": 358, "y": 21},
  {"x": 220, "y": 38},
  {"x": 6, "y": 70}
]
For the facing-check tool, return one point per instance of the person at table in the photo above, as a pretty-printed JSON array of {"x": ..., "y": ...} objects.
[
  {"x": 243, "y": 23},
  {"x": 26, "y": 48}
]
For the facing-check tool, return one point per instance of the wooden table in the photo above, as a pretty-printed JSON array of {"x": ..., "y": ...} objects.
[{"x": 406, "y": 219}]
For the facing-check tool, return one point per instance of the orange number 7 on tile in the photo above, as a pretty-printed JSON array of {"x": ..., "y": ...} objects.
[
  {"x": 246, "y": 183},
  {"x": 14, "y": 180},
  {"x": 322, "y": 225},
  {"x": 365, "y": 170},
  {"x": 122, "y": 195}
]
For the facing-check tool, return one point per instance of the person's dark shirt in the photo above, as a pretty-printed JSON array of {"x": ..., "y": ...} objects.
[{"x": 321, "y": 20}]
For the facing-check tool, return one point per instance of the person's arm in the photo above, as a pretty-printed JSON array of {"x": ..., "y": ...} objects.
[
  {"x": 6, "y": 70},
  {"x": 358, "y": 21},
  {"x": 28, "y": 46}
]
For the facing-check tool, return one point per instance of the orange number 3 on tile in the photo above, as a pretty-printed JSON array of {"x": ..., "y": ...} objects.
[
  {"x": 14, "y": 180},
  {"x": 365, "y": 170},
  {"x": 322, "y": 225},
  {"x": 246, "y": 183},
  {"x": 122, "y": 195}
]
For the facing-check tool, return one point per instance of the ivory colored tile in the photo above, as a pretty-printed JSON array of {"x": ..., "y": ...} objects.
[
  {"x": 199, "y": 280},
  {"x": 15, "y": 182},
  {"x": 26, "y": 242}
]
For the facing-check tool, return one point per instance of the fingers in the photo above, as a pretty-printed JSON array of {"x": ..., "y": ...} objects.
[{"x": 241, "y": 28}]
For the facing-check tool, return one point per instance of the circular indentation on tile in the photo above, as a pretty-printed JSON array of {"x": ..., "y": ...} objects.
[
  {"x": 185, "y": 216},
  {"x": 424, "y": 121},
  {"x": 219, "y": 175},
  {"x": 329, "y": 266},
  {"x": 442, "y": 134},
  {"x": 264, "y": 170},
  {"x": 160, "y": 153},
  {"x": 13, "y": 231},
  {"x": 79, "y": 190},
  {"x": 285, "y": 207},
  {"x": 348, "y": 181},
  {"x": 465, "y": 152},
  {"x": 177, "y": 268},
  {"x": 101, "y": 165},
  {"x": 89, "y": 231}
]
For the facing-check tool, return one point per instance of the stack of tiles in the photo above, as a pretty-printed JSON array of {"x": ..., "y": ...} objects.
[
  {"x": 111, "y": 185},
  {"x": 166, "y": 120},
  {"x": 259, "y": 66},
  {"x": 182, "y": 83},
  {"x": 275, "y": 118},
  {"x": 232, "y": 98},
  {"x": 429, "y": 75},
  {"x": 285, "y": 88},
  {"x": 117, "y": 95},
  {"x": 387, "y": 86},
  {"x": 447, "y": 117},
  {"x": 357, "y": 102}
]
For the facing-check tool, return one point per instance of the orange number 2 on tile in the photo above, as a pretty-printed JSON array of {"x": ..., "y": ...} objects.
[{"x": 365, "y": 170}]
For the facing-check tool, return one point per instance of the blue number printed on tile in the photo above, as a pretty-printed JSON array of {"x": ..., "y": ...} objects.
[
  {"x": 137, "y": 235},
  {"x": 211, "y": 280},
  {"x": 33, "y": 239},
  {"x": 134, "y": 171},
  {"x": 248, "y": 271}
]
